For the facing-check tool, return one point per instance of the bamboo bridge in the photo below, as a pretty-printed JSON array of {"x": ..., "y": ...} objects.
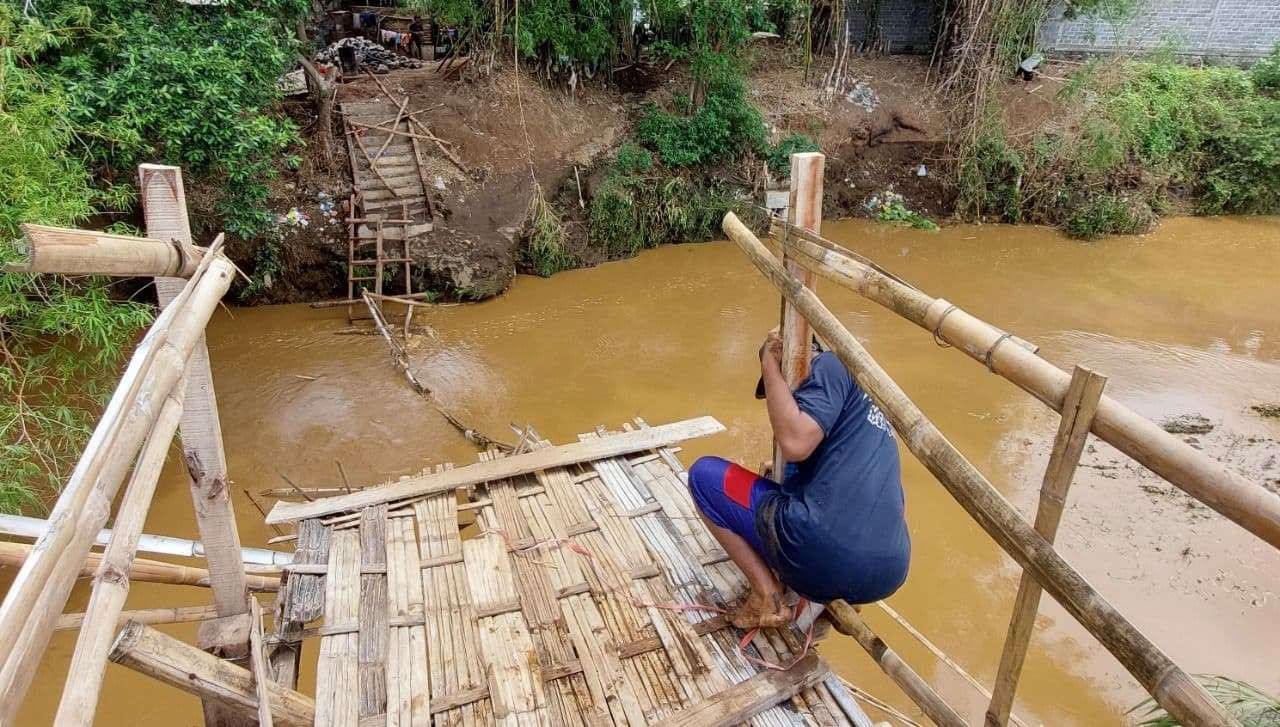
[{"x": 587, "y": 592}]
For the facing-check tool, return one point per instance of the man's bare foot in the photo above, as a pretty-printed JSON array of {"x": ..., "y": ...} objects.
[{"x": 761, "y": 611}]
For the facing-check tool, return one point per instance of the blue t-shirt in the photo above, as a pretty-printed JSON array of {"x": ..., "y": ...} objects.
[{"x": 836, "y": 525}]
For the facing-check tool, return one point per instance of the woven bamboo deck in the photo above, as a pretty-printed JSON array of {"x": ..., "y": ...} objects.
[{"x": 554, "y": 613}]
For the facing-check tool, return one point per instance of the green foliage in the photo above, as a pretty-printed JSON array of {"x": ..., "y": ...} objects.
[
  {"x": 1250, "y": 706},
  {"x": 544, "y": 250},
  {"x": 1265, "y": 74},
  {"x": 891, "y": 207},
  {"x": 60, "y": 339},
  {"x": 1149, "y": 133},
  {"x": 632, "y": 159},
  {"x": 722, "y": 129},
  {"x": 1108, "y": 214},
  {"x": 779, "y": 155},
  {"x": 631, "y": 212},
  {"x": 172, "y": 83},
  {"x": 581, "y": 32}
]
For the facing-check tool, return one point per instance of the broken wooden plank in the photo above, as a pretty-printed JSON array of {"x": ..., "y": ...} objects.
[
  {"x": 612, "y": 446},
  {"x": 744, "y": 700}
]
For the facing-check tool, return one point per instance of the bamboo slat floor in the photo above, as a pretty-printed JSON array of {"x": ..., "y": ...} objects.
[{"x": 569, "y": 606}]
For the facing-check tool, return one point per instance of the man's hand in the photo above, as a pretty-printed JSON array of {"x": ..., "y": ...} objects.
[{"x": 772, "y": 348}]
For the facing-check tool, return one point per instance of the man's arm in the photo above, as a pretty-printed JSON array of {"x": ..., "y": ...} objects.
[{"x": 796, "y": 433}]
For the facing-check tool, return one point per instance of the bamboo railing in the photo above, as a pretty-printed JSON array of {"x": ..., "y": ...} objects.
[
  {"x": 165, "y": 387},
  {"x": 1078, "y": 398}
]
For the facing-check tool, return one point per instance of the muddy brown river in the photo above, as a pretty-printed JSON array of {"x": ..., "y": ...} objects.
[{"x": 1183, "y": 321}]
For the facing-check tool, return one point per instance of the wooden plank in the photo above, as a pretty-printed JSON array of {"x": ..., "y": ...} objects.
[
  {"x": 500, "y": 469},
  {"x": 258, "y": 658},
  {"x": 408, "y": 674},
  {"x": 164, "y": 209},
  {"x": 300, "y": 601},
  {"x": 515, "y": 682},
  {"x": 1078, "y": 409},
  {"x": 745, "y": 699},
  {"x": 337, "y": 672},
  {"x": 805, "y": 212},
  {"x": 373, "y": 611}
]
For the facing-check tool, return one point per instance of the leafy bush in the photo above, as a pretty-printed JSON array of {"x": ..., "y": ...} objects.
[
  {"x": 723, "y": 128},
  {"x": 631, "y": 212},
  {"x": 632, "y": 159},
  {"x": 1150, "y": 132},
  {"x": 544, "y": 251},
  {"x": 891, "y": 207},
  {"x": 172, "y": 83},
  {"x": 779, "y": 156},
  {"x": 1265, "y": 74}
]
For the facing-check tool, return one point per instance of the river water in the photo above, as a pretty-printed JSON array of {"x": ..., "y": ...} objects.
[{"x": 1183, "y": 321}]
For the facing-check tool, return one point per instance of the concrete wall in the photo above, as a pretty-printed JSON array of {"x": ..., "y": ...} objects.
[
  {"x": 906, "y": 26},
  {"x": 1210, "y": 29}
]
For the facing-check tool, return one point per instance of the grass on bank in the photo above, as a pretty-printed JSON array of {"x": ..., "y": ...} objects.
[{"x": 1141, "y": 139}]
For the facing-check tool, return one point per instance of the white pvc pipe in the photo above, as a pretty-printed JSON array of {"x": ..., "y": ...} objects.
[{"x": 30, "y": 527}]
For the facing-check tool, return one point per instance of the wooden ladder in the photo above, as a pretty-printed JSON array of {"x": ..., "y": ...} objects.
[{"x": 358, "y": 252}]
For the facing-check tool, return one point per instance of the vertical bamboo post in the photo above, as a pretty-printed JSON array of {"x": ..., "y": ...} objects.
[
  {"x": 805, "y": 211},
  {"x": 111, "y": 582},
  {"x": 1078, "y": 409},
  {"x": 164, "y": 206}
]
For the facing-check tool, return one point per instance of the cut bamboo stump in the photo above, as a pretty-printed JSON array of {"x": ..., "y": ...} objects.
[
  {"x": 111, "y": 584},
  {"x": 805, "y": 212},
  {"x": 1244, "y": 502},
  {"x": 186, "y": 667},
  {"x": 1171, "y": 687},
  {"x": 86, "y": 252},
  {"x": 1073, "y": 431}
]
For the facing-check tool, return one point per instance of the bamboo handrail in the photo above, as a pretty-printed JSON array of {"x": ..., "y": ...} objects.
[
  {"x": 44, "y": 582},
  {"x": 1171, "y": 687},
  {"x": 87, "y": 252},
  {"x": 149, "y": 616},
  {"x": 141, "y": 570},
  {"x": 1231, "y": 494},
  {"x": 111, "y": 583}
]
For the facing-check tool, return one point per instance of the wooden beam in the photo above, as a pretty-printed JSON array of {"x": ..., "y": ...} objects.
[
  {"x": 164, "y": 208},
  {"x": 40, "y": 590},
  {"x": 258, "y": 659},
  {"x": 89, "y": 252},
  {"x": 149, "y": 616},
  {"x": 1247, "y": 503},
  {"x": 805, "y": 212},
  {"x": 197, "y": 672},
  {"x": 141, "y": 570},
  {"x": 849, "y": 622},
  {"x": 1171, "y": 687},
  {"x": 79, "y": 700},
  {"x": 742, "y": 701},
  {"x": 506, "y": 467},
  {"x": 1078, "y": 411}
]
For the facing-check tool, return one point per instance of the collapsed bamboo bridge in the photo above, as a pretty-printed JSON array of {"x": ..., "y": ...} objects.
[{"x": 584, "y": 589}]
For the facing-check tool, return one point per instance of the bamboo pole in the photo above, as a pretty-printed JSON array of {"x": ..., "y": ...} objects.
[
  {"x": 848, "y": 622},
  {"x": 258, "y": 660},
  {"x": 151, "y": 616},
  {"x": 41, "y": 587},
  {"x": 111, "y": 583},
  {"x": 87, "y": 252},
  {"x": 32, "y": 527},
  {"x": 1246, "y": 503},
  {"x": 805, "y": 211},
  {"x": 194, "y": 671},
  {"x": 141, "y": 570},
  {"x": 1073, "y": 431},
  {"x": 1171, "y": 687}
]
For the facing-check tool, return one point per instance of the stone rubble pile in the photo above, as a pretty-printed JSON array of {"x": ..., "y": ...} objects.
[{"x": 369, "y": 55}]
